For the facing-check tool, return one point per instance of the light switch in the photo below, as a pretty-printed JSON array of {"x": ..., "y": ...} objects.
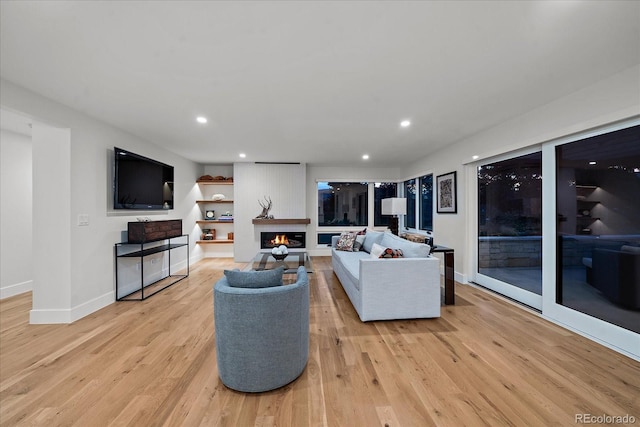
[{"x": 83, "y": 219}]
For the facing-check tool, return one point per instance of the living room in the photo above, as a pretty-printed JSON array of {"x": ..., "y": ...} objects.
[{"x": 69, "y": 268}]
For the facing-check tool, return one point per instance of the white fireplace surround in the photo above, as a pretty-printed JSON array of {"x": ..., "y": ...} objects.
[{"x": 284, "y": 184}]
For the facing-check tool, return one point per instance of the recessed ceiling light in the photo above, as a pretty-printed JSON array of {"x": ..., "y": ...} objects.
[
  {"x": 242, "y": 155},
  {"x": 365, "y": 157},
  {"x": 201, "y": 119},
  {"x": 405, "y": 123},
  {"x": 592, "y": 163},
  {"x": 475, "y": 157}
]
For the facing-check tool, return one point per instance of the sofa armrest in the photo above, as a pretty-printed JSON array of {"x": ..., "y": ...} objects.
[{"x": 400, "y": 288}]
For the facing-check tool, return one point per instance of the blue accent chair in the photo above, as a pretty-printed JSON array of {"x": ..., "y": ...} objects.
[{"x": 262, "y": 334}]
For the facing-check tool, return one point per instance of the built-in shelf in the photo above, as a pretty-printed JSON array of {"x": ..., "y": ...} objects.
[
  {"x": 260, "y": 221},
  {"x": 215, "y": 182},
  {"x": 214, "y": 201},
  {"x": 214, "y": 242},
  {"x": 213, "y": 221}
]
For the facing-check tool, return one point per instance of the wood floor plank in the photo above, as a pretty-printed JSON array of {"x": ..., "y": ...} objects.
[{"x": 485, "y": 361}]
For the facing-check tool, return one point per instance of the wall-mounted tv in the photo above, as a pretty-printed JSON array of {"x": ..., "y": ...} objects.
[{"x": 141, "y": 183}]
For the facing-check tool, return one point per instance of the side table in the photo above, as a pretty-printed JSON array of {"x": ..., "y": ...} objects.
[{"x": 449, "y": 273}]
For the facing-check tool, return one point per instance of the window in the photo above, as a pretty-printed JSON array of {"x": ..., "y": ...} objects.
[
  {"x": 410, "y": 194},
  {"x": 419, "y": 205},
  {"x": 343, "y": 203},
  {"x": 426, "y": 202},
  {"x": 382, "y": 190}
]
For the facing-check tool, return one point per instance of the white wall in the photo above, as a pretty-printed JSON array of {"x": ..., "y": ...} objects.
[
  {"x": 92, "y": 284},
  {"x": 16, "y": 269}
]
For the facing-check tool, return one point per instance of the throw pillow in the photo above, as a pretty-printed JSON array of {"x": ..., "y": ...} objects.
[
  {"x": 255, "y": 279},
  {"x": 376, "y": 250},
  {"x": 357, "y": 245},
  {"x": 409, "y": 249},
  {"x": 391, "y": 253},
  {"x": 346, "y": 241}
]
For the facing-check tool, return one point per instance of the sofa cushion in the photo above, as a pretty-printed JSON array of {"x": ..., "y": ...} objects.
[
  {"x": 346, "y": 241},
  {"x": 409, "y": 249},
  {"x": 351, "y": 263},
  {"x": 370, "y": 238},
  {"x": 255, "y": 279}
]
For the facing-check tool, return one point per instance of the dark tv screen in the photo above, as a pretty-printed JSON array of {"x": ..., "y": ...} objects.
[{"x": 141, "y": 183}]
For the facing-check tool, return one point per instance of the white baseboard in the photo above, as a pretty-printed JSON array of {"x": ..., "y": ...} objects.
[
  {"x": 54, "y": 316},
  {"x": 16, "y": 289},
  {"x": 86, "y": 308}
]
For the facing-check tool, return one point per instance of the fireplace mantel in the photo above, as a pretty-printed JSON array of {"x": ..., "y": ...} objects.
[{"x": 265, "y": 221}]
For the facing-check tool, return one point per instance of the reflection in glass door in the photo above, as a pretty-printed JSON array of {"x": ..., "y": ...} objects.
[{"x": 509, "y": 251}]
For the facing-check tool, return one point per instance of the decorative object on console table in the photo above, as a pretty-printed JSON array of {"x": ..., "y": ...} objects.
[
  {"x": 150, "y": 231},
  {"x": 446, "y": 193},
  {"x": 394, "y": 206}
]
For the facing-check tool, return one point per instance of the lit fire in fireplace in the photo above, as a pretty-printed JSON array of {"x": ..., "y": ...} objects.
[{"x": 280, "y": 239}]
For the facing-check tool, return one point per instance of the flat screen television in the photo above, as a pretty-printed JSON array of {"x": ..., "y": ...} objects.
[{"x": 141, "y": 183}]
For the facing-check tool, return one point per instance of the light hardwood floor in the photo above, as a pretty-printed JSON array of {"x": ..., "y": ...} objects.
[{"x": 152, "y": 363}]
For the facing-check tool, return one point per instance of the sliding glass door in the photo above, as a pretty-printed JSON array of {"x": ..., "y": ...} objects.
[
  {"x": 509, "y": 252},
  {"x": 598, "y": 227}
]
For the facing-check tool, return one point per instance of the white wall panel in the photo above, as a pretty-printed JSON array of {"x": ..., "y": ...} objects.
[{"x": 284, "y": 184}]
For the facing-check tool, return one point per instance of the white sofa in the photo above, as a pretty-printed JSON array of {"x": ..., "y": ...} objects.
[{"x": 382, "y": 288}]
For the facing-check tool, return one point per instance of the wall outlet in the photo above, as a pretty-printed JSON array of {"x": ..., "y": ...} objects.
[{"x": 83, "y": 219}]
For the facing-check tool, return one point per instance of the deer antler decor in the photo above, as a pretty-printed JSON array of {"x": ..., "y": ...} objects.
[{"x": 266, "y": 207}]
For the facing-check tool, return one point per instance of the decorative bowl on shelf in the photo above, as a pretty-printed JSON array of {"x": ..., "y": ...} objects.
[{"x": 279, "y": 257}]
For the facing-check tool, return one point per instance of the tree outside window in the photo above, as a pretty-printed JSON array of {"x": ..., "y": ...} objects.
[{"x": 342, "y": 203}]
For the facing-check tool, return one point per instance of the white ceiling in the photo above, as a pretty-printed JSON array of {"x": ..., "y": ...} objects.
[{"x": 314, "y": 82}]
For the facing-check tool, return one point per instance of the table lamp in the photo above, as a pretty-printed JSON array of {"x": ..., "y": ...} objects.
[{"x": 394, "y": 206}]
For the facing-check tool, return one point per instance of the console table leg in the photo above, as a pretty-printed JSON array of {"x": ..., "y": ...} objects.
[{"x": 449, "y": 281}]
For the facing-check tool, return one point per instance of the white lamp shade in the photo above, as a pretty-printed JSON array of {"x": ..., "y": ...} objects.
[{"x": 394, "y": 206}]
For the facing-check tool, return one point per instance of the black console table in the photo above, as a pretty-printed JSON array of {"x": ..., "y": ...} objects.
[
  {"x": 449, "y": 273},
  {"x": 141, "y": 250}
]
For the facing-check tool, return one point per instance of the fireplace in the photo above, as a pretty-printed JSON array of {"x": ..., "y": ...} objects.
[{"x": 291, "y": 239}]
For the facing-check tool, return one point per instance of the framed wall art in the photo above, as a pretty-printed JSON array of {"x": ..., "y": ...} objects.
[{"x": 446, "y": 193}]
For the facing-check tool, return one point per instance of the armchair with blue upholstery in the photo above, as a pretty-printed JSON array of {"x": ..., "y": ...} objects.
[{"x": 262, "y": 333}]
